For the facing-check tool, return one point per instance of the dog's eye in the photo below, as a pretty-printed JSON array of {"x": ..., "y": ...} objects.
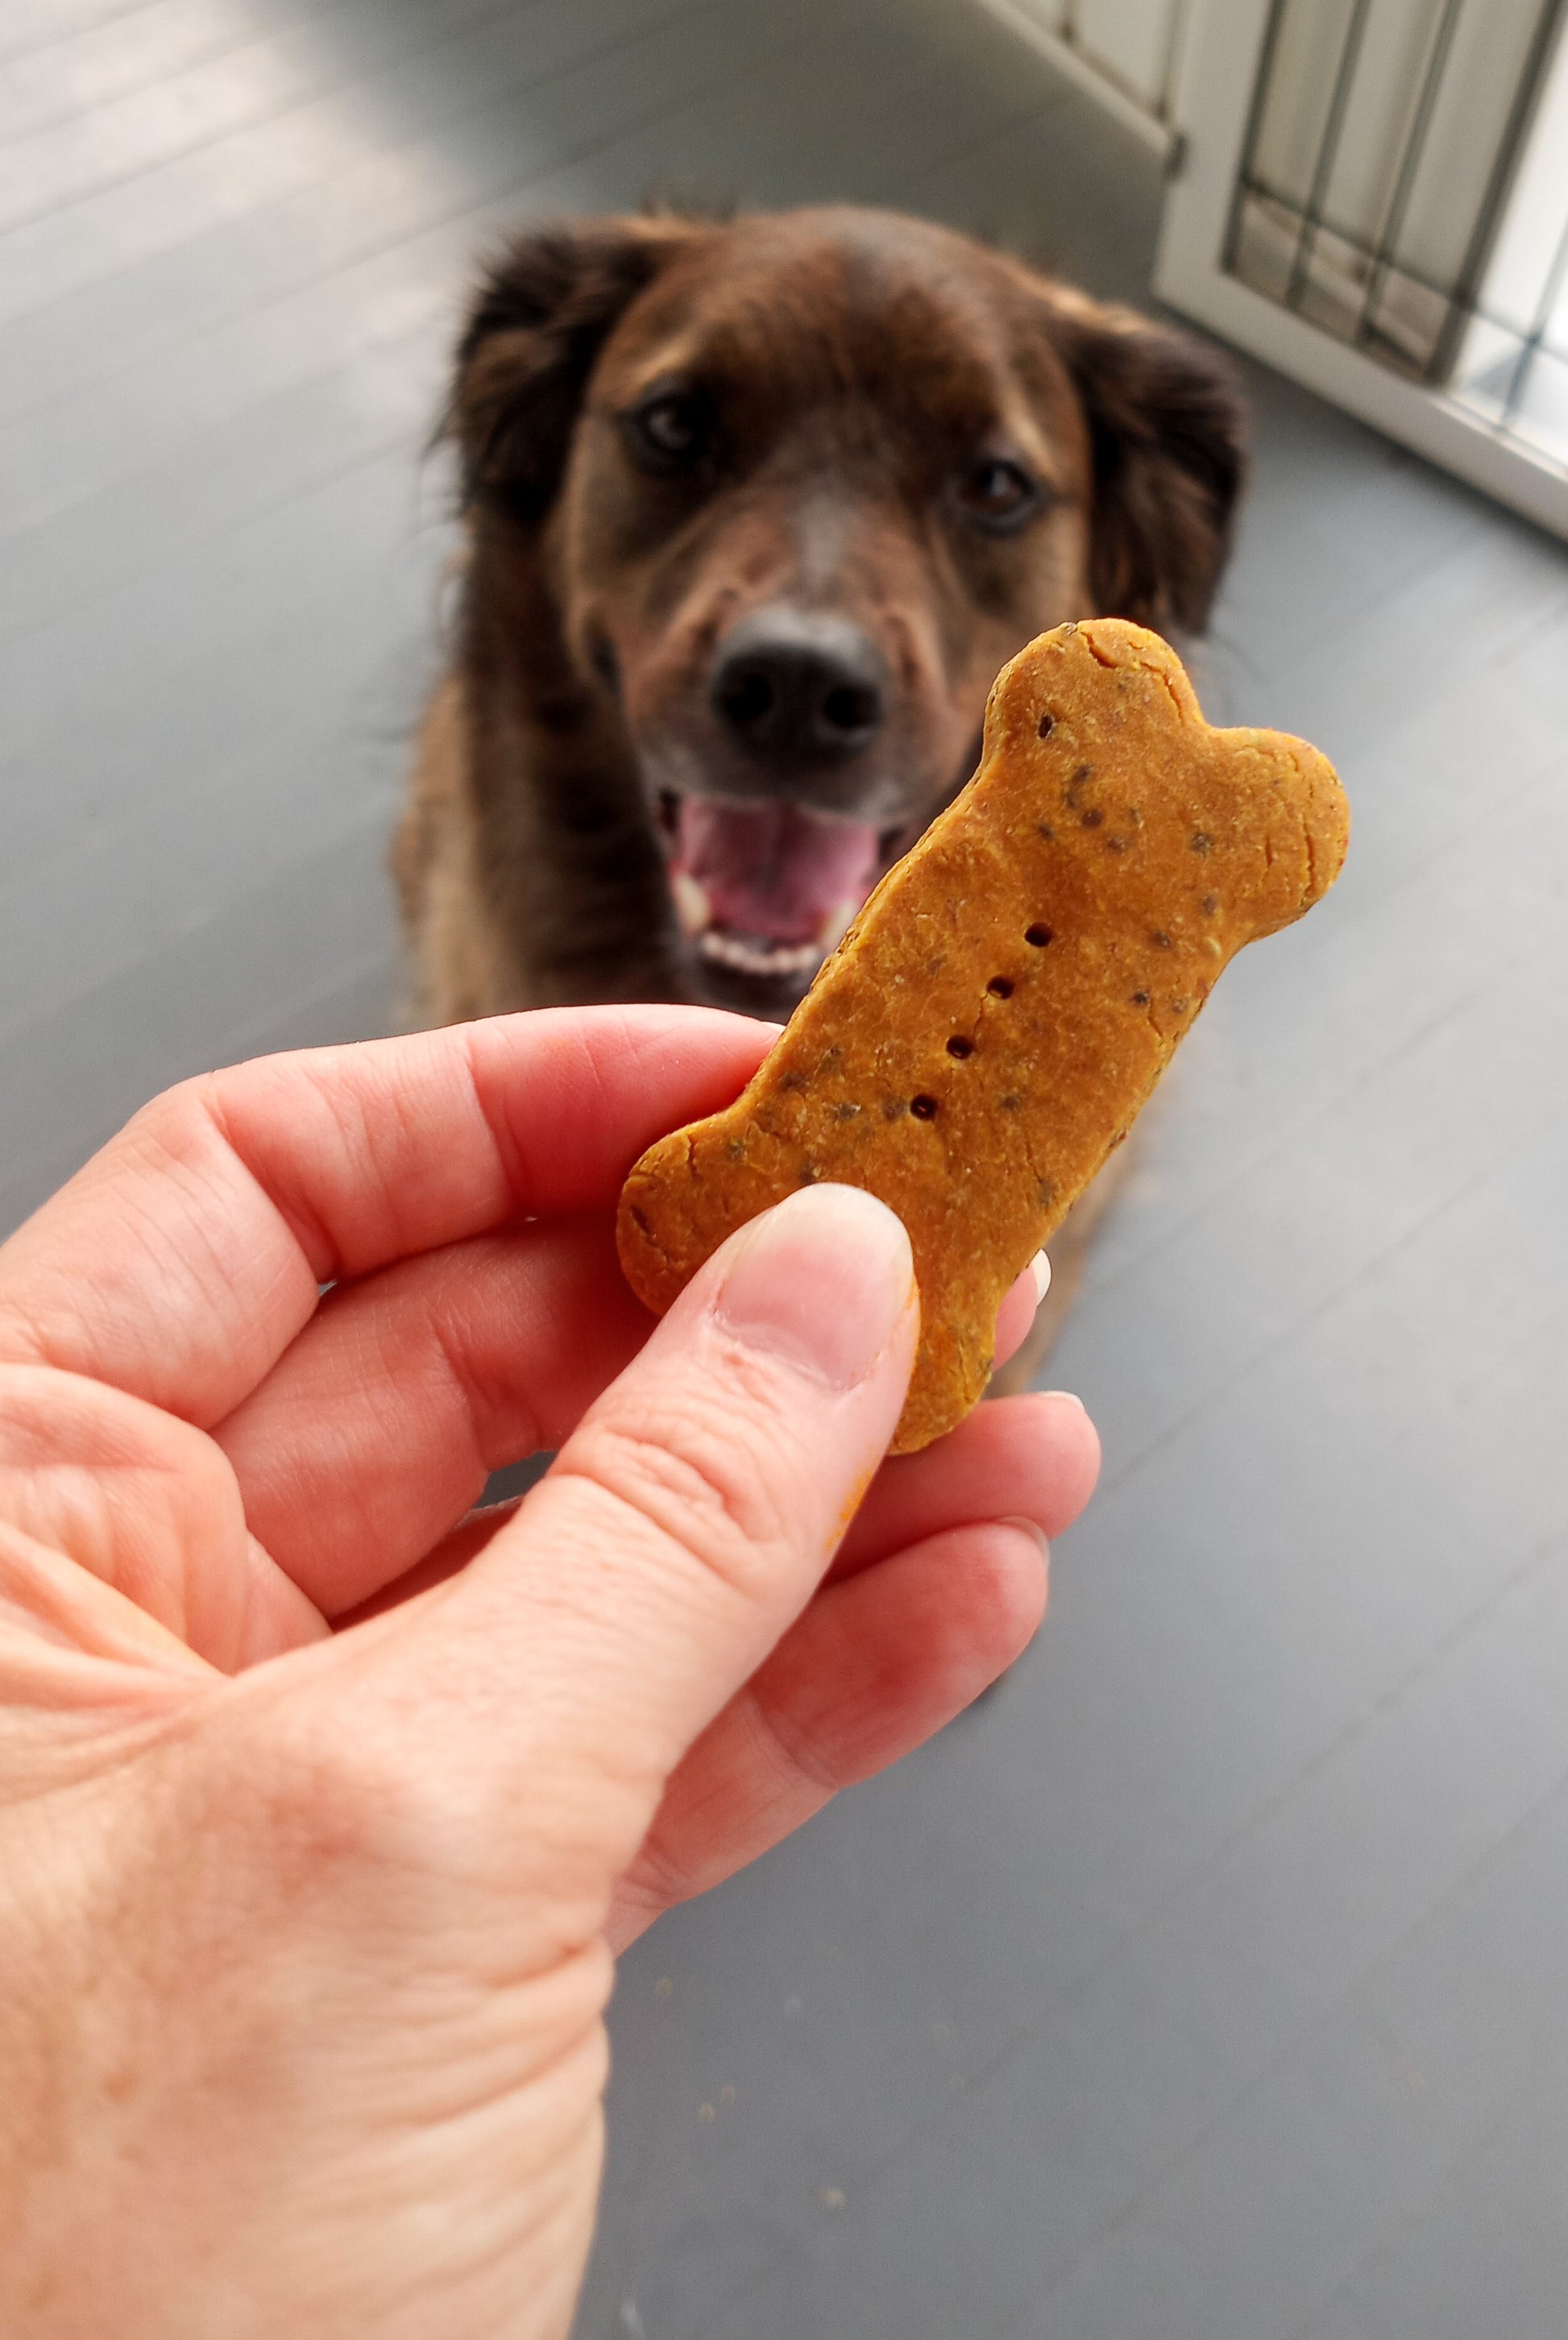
[
  {"x": 999, "y": 494},
  {"x": 669, "y": 430}
]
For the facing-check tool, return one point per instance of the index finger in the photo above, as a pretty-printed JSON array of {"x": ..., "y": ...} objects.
[{"x": 184, "y": 1259}]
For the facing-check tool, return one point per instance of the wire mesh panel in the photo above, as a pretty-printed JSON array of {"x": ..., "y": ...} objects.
[{"x": 1405, "y": 187}]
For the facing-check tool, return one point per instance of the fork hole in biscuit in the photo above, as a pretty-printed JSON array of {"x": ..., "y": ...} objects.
[
  {"x": 924, "y": 1108},
  {"x": 959, "y": 1046},
  {"x": 1038, "y": 936},
  {"x": 1047, "y": 725},
  {"x": 1001, "y": 987}
]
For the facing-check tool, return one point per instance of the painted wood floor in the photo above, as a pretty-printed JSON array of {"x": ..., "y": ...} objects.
[{"x": 1209, "y": 1982}]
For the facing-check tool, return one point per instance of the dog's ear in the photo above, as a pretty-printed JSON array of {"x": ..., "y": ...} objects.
[
  {"x": 1167, "y": 438},
  {"x": 536, "y": 327}
]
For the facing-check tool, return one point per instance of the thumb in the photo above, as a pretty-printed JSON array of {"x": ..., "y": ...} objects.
[{"x": 689, "y": 1519}]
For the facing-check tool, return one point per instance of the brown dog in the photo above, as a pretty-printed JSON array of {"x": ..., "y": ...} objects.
[{"x": 755, "y": 511}]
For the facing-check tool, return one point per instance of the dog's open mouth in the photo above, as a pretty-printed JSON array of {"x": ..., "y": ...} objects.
[{"x": 766, "y": 889}]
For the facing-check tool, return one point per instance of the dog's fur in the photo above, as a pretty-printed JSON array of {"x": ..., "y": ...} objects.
[{"x": 846, "y": 429}]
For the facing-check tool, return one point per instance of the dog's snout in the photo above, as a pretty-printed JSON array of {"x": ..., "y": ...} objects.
[{"x": 799, "y": 686}]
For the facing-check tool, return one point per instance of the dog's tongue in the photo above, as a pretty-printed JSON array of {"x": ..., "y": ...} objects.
[{"x": 772, "y": 871}]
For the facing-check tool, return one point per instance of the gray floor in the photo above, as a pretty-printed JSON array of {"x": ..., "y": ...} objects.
[{"x": 1210, "y": 1981}]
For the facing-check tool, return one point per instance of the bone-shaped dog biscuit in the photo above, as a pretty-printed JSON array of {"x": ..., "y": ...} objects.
[{"x": 1011, "y": 992}]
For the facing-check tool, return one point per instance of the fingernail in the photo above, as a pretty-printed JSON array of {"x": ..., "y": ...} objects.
[
  {"x": 1071, "y": 1396},
  {"x": 1029, "y": 1528},
  {"x": 823, "y": 1280},
  {"x": 1040, "y": 1269}
]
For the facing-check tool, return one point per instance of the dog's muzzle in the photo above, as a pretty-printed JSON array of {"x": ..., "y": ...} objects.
[{"x": 767, "y": 887}]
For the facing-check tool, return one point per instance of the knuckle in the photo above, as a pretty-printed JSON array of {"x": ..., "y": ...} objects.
[
  {"x": 707, "y": 1485},
  {"x": 178, "y": 1121},
  {"x": 660, "y": 1877},
  {"x": 797, "y": 1759}
]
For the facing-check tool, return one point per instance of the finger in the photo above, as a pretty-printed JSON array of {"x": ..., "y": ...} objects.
[
  {"x": 122, "y": 1533},
  {"x": 376, "y": 1430},
  {"x": 682, "y": 1529},
  {"x": 181, "y": 1261},
  {"x": 871, "y": 1670},
  {"x": 1034, "y": 1458},
  {"x": 1017, "y": 1313}
]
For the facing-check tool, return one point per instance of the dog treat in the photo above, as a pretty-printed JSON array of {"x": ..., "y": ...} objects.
[{"x": 1006, "y": 999}]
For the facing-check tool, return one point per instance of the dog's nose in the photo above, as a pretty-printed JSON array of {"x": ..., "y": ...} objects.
[{"x": 798, "y": 684}]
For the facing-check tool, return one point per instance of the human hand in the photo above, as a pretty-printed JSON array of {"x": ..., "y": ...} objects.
[{"x": 322, "y": 1806}]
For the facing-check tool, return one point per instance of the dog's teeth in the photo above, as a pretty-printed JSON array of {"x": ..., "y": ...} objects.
[
  {"x": 836, "y": 925},
  {"x": 693, "y": 906},
  {"x": 758, "y": 958}
]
